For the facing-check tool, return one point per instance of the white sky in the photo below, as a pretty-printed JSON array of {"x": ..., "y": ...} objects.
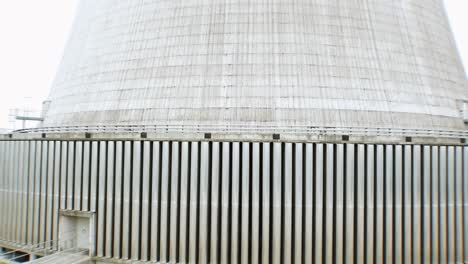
[{"x": 33, "y": 34}]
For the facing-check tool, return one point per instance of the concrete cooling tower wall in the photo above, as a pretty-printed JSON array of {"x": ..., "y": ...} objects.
[
  {"x": 246, "y": 131},
  {"x": 243, "y": 64}
]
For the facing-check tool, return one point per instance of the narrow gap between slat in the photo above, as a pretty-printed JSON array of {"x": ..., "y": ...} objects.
[
  {"x": 251, "y": 158},
  {"x": 229, "y": 238},
  {"x": 271, "y": 230},
  {"x": 179, "y": 184},
  {"x": 122, "y": 203},
  {"x": 314, "y": 202},
  {"x": 376, "y": 227},
  {"x": 334, "y": 217},
  {"x": 260, "y": 227},
  {"x": 187, "y": 213},
  {"x": 282, "y": 234},
  {"x": 130, "y": 214},
  {"x": 239, "y": 220},
  {"x": 304, "y": 195},
  {"x": 293, "y": 206},
  {"x": 159, "y": 176},
  {"x": 197, "y": 236},
  {"x": 220, "y": 205},
  {"x": 366, "y": 174},
  {"x": 324, "y": 203},
  {"x": 385, "y": 240},
  {"x": 142, "y": 148},
  {"x": 169, "y": 201},
  {"x": 151, "y": 224}
]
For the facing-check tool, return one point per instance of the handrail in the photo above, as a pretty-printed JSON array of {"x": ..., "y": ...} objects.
[
  {"x": 58, "y": 254},
  {"x": 20, "y": 256},
  {"x": 35, "y": 248},
  {"x": 29, "y": 247},
  {"x": 232, "y": 129}
]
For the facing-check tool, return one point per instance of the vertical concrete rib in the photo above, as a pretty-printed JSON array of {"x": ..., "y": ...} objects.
[
  {"x": 203, "y": 235},
  {"x": 184, "y": 201},
  {"x": 256, "y": 203},
  {"x": 118, "y": 200},
  {"x": 110, "y": 214},
  {"x": 443, "y": 209},
  {"x": 63, "y": 175},
  {"x": 2, "y": 187},
  {"x": 10, "y": 186},
  {"x": 360, "y": 227},
  {"x": 309, "y": 202},
  {"x": 329, "y": 204},
  {"x": 277, "y": 206},
  {"x": 165, "y": 200},
  {"x": 389, "y": 183},
  {"x": 101, "y": 194},
  {"x": 174, "y": 203},
  {"x": 37, "y": 192},
  {"x": 350, "y": 209},
  {"x": 56, "y": 194},
  {"x": 78, "y": 175},
  {"x": 235, "y": 203},
  {"x": 340, "y": 204},
  {"x": 319, "y": 209},
  {"x": 435, "y": 205},
  {"x": 32, "y": 184},
  {"x": 299, "y": 202},
  {"x": 426, "y": 205},
  {"x": 13, "y": 212},
  {"x": 146, "y": 201},
  {"x": 451, "y": 242},
  {"x": 407, "y": 205},
  {"x": 70, "y": 174},
  {"x": 26, "y": 193},
  {"x": 370, "y": 207},
  {"x": 465, "y": 203},
  {"x": 126, "y": 207},
  {"x": 3, "y": 217},
  {"x": 245, "y": 189},
  {"x": 287, "y": 192},
  {"x": 399, "y": 205},
  {"x": 43, "y": 193},
  {"x": 193, "y": 221},
  {"x": 136, "y": 201},
  {"x": 50, "y": 193},
  {"x": 417, "y": 206},
  {"x": 458, "y": 198},
  {"x": 85, "y": 179},
  {"x": 155, "y": 201},
  {"x": 215, "y": 203},
  {"x": 94, "y": 176},
  {"x": 19, "y": 189},
  {"x": 379, "y": 203},
  {"x": 9, "y": 194},
  {"x": 225, "y": 202}
]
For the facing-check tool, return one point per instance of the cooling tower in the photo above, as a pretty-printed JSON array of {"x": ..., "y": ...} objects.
[
  {"x": 246, "y": 131},
  {"x": 243, "y": 64}
]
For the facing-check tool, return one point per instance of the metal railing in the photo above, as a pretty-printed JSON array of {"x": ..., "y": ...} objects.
[
  {"x": 25, "y": 251},
  {"x": 233, "y": 129},
  {"x": 68, "y": 253},
  {"x": 46, "y": 248}
]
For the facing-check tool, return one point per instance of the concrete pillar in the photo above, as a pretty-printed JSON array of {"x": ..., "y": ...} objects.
[{"x": 32, "y": 257}]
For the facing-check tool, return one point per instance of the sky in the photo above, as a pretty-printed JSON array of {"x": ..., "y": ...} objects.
[{"x": 33, "y": 34}]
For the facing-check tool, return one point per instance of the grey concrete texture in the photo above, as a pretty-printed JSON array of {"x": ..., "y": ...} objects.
[{"x": 276, "y": 63}]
